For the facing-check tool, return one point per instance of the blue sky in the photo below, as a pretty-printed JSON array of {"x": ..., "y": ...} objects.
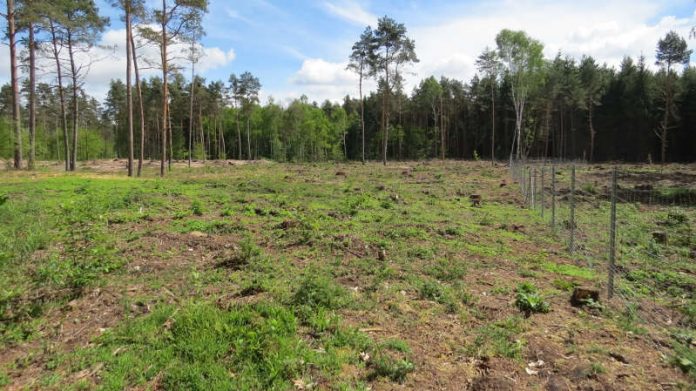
[{"x": 301, "y": 46}]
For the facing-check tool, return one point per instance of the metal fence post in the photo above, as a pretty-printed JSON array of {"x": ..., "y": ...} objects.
[
  {"x": 532, "y": 185},
  {"x": 612, "y": 237},
  {"x": 571, "y": 246},
  {"x": 543, "y": 171},
  {"x": 529, "y": 186},
  {"x": 553, "y": 198},
  {"x": 524, "y": 185}
]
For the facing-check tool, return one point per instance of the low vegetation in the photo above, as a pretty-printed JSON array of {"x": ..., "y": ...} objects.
[{"x": 273, "y": 276}]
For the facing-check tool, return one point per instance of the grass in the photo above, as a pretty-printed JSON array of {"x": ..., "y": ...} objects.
[
  {"x": 200, "y": 347},
  {"x": 271, "y": 276}
]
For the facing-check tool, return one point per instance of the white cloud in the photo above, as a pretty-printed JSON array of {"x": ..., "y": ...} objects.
[
  {"x": 606, "y": 30},
  {"x": 214, "y": 58},
  {"x": 320, "y": 80},
  {"x": 315, "y": 71},
  {"x": 350, "y": 11}
]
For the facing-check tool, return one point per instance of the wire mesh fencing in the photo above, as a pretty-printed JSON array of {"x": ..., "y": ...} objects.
[{"x": 631, "y": 224}]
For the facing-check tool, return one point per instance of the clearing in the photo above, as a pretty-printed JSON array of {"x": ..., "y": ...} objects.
[{"x": 329, "y": 276}]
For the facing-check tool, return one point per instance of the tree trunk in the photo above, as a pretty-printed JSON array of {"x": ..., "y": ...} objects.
[
  {"x": 190, "y": 138},
  {"x": 362, "y": 114},
  {"x": 12, "y": 35},
  {"x": 32, "y": 97},
  {"x": 200, "y": 128},
  {"x": 129, "y": 92},
  {"x": 248, "y": 138},
  {"x": 61, "y": 95},
  {"x": 592, "y": 130},
  {"x": 170, "y": 138},
  {"x": 75, "y": 111},
  {"x": 239, "y": 137},
  {"x": 548, "y": 129},
  {"x": 142, "y": 109},
  {"x": 665, "y": 120},
  {"x": 385, "y": 113},
  {"x": 165, "y": 89},
  {"x": 492, "y": 122},
  {"x": 442, "y": 132}
]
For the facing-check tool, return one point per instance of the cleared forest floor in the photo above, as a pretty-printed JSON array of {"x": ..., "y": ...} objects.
[{"x": 323, "y": 276}]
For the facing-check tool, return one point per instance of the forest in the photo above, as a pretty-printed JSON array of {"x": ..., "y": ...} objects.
[{"x": 520, "y": 103}]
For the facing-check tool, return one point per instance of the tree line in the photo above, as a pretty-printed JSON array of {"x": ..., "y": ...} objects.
[{"x": 519, "y": 105}]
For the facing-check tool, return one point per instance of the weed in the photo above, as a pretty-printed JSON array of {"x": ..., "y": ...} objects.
[
  {"x": 197, "y": 208},
  {"x": 391, "y": 361},
  {"x": 629, "y": 318},
  {"x": 529, "y": 301},
  {"x": 595, "y": 370},
  {"x": 200, "y": 347},
  {"x": 498, "y": 339},
  {"x": 4, "y": 379},
  {"x": 684, "y": 356},
  {"x": 589, "y": 188},
  {"x": 315, "y": 292},
  {"x": 447, "y": 270},
  {"x": 433, "y": 290}
]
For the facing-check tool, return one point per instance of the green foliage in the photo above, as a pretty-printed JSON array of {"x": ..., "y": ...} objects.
[
  {"x": 317, "y": 292},
  {"x": 197, "y": 208},
  {"x": 199, "y": 347},
  {"x": 569, "y": 270},
  {"x": 529, "y": 300},
  {"x": 684, "y": 356},
  {"x": 498, "y": 339}
]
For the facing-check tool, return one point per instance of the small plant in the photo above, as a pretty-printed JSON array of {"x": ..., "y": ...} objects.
[
  {"x": 674, "y": 218},
  {"x": 248, "y": 250},
  {"x": 629, "y": 319},
  {"x": 684, "y": 356},
  {"x": 529, "y": 301},
  {"x": 391, "y": 361},
  {"x": 498, "y": 339},
  {"x": 589, "y": 188},
  {"x": 197, "y": 208},
  {"x": 315, "y": 292},
  {"x": 595, "y": 369},
  {"x": 431, "y": 290},
  {"x": 447, "y": 270}
]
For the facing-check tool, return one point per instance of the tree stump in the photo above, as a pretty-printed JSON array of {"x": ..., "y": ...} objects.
[
  {"x": 582, "y": 296},
  {"x": 660, "y": 237},
  {"x": 475, "y": 199}
]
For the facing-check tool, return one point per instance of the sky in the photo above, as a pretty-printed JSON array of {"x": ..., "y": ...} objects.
[{"x": 299, "y": 47}]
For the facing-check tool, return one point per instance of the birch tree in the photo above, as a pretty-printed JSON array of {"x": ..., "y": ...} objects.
[{"x": 521, "y": 58}]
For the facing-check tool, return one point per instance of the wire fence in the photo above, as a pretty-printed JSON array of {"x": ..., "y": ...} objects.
[{"x": 633, "y": 225}]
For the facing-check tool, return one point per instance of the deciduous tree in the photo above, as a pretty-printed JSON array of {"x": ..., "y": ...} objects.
[{"x": 521, "y": 58}]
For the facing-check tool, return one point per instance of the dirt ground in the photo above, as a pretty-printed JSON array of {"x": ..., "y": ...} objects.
[{"x": 568, "y": 348}]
